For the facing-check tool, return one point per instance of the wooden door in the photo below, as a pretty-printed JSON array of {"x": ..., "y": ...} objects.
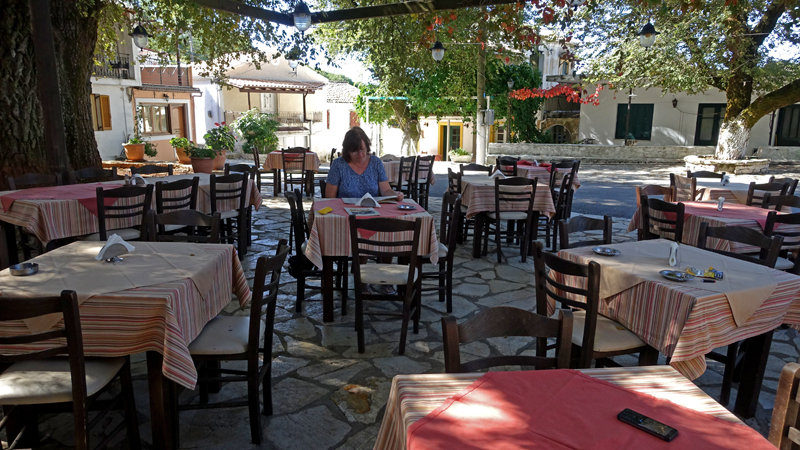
[{"x": 178, "y": 118}]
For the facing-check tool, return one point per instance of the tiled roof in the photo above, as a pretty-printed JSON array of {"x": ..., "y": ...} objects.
[
  {"x": 242, "y": 83},
  {"x": 341, "y": 92}
]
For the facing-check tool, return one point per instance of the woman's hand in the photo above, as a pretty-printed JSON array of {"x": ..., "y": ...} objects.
[{"x": 400, "y": 196}]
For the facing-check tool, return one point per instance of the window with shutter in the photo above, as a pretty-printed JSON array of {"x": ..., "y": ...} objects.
[
  {"x": 709, "y": 116},
  {"x": 641, "y": 123},
  {"x": 105, "y": 112},
  {"x": 101, "y": 112}
]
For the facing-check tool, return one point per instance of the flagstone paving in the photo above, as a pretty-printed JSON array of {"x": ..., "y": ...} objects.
[{"x": 327, "y": 395}]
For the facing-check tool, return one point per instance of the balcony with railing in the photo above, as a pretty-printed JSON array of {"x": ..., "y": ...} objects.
[
  {"x": 167, "y": 76},
  {"x": 293, "y": 118},
  {"x": 120, "y": 68}
]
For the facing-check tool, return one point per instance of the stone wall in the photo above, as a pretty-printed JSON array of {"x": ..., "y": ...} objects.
[
  {"x": 780, "y": 155},
  {"x": 606, "y": 154}
]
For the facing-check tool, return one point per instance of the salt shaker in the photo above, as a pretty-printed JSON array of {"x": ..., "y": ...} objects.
[
  {"x": 720, "y": 201},
  {"x": 127, "y": 180}
]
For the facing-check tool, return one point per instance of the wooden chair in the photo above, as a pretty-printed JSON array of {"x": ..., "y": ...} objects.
[
  {"x": 572, "y": 166},
  {"x": 670, "y": 220},
  {"x": 36, "y": 382},
  {"x": 562, "y": 204},
  {"x": 294, "y": 171},
  {"x": 448, "y": 237},
  {"x": 404, "y": 246},
  {"x": 253, "y": 171},
  {"x": 236, "y": 338},
  {"x": 705, "y": 174},
  {"x": 784, "y": 428},
  {"x": 652, "y": 190},
  {"x": 93, "y": 175},
  {"x": 683, "y": 189},
  {"x": 175, "y": 196},
  {"x": 594, "y": 336},
  {"x": 232, "y": 189},
  {"x": 777, "y": 202},
  {"x": 510, "y": 191},
  {"x": 405, "y": 176},
  {"x": 260, "y": 171},
  {"x": 132, "y": 202},
  {"x": 453, "y": 181},
  {"x": 757, "y": 199},
  {"x": 421, "y": 187},
  {"x": 323, "y": 186},
  {"x": 503, "y": 321},
  {"x": 299, "y": 265},
  {"x": 184, "y": 219},
  {"x": 477, "y": 168},
  {"x": 580, "y": 224},
  {"x": 151, "y": 169},
  {"x": 31, "y": 180},
  {"x": 507, "y": 165},
  {"x": 770, "y": 248},
  {"x": 791, "y": 239},
  {"x": 792, "y": 183}
]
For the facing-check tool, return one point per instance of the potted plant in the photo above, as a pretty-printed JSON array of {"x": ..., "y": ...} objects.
[
  {"x": 137, "y": 147},
  {"x": 181, "y": 146},
  {"x": 460, "y": 155},
  {"x": 202, "y": 158},
  {"x": 220, "y": 139},
  {"x": 257, "y": 131}
]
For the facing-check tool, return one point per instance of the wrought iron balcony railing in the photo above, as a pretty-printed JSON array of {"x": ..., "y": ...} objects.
[{"x": 121, "y": 68}]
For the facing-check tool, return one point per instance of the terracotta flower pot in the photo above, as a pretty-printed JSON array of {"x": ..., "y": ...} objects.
[
  {"x": 202, "y": 165},
  {"x": 219, "y": 161},
  {"x": 134, "y": 152},
  {"x": 182, "y": 156}
]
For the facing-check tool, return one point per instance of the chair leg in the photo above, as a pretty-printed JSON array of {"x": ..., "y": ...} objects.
[
  {"x": 727, "y": 376},
  {"x": 404, "y": 329},
  {"x": 128, "y": 398},
  {"x": 253, "y": 406},
  {"x": 442, "y": 277},
  {"x": 497, "y": 240},
  {"x": 449, "y": 287},
  {"x": 648, "y": 356},
  {"x": 343, "y": 266},
  {"x": 360, "y": 320},
  {"x": 266, "y": 389},
  {"x": 301, "y": 293}
]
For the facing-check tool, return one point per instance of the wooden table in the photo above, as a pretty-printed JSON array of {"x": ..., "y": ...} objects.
[
  {"x": 412, "y": 397},
  {"x": 52, "y": 219},
  {"x": 684, "y": 321},
  {"x": 477, "y": 194},
  {"x": 160, "y": 319},
  {"x": 329, "y": 239},
  {"x": 274, "y": 162}
]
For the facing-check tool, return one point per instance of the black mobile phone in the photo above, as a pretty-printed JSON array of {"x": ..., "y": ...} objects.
[{"x": 647, "y": 424}]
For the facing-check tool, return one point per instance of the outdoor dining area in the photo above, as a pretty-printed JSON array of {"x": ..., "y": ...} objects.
[{"x": 514, "y": 322}]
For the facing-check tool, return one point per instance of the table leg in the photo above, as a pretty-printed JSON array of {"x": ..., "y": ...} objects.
[
  {"x": 753, "y": 366},
  {"x": 276, "y": 182},
  {"x": 161, "y": 403},
  {"x": 9, "y": 254},
  {"x": 327, "y": 289},
  {"x": 477, "y": 235}
]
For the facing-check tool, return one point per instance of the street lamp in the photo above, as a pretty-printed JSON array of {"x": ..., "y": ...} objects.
[
  {"x": 647, "y": 37},
  {"x": 508, "y": 114},
  {"x": 293, "y": 64},
  {"x": 302, "y": 16},
  {"x": 437, "y": 51},
  {"x": 140, "y": 36}
]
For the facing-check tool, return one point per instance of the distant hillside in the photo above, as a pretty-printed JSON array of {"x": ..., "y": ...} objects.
[{"x": 334, "y": 76}]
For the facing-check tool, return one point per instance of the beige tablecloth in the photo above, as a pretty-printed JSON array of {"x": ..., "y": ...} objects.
[{"x": 477, "y": 194}]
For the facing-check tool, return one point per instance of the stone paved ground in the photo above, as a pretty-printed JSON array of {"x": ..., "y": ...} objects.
[{"x": 327, "y": 395}]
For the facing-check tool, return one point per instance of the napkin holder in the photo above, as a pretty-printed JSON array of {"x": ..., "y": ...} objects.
[
  {"x": 138, "y": 180},
  {"x": 725, "y": 180},
  {"x": 673, "y": 254},
  {"x": 720, "y": 202},
  {"x": 367, "y": 201},
  {"x": 114, "y": 248},
  {"x": 498, "y": 174}
]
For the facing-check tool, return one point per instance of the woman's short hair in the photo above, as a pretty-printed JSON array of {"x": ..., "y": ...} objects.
[{"x": 352, "y": 142}]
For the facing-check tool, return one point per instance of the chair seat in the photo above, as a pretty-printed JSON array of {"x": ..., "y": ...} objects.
[
  {"x": 49, "y": 380},
  {"x": 442, "y": 251},
  {"x": 422, "y": 181},
  {"x": 169, "y": 228},
  {"x": 509, "y": 215},
  {"x": 129, "y": 234},
  {"x": 232, "y": 214},
  {"x": 391, "y": 274},
  {"x": 784, "y": 264},
  {"x": 223, "y": 335},
  {"x": 609, "y": 336}
]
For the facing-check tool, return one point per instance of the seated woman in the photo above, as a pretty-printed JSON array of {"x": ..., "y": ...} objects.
[{"x": 358, "y": 171}]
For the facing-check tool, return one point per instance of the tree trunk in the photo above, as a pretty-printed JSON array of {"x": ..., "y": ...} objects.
[
  {"x": 734, "y": 137},
  {"x": 408, "y": 124},
  {"x": 21, "y": 127}
]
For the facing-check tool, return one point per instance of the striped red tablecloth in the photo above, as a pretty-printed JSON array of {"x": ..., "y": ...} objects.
[
  {"x": 392, "y": 169},
  {"x": 164, "y": 318},
  {"x": 544, "y": 176},
  {"x": 413, "y": 397},
  {"x": 478, "y": 196},
  {"x": 57, "y": 219},
  {"x": 274, "y": 160},
  {"x": 330, "y": 233},
  {"x": 685, "y": 322}
]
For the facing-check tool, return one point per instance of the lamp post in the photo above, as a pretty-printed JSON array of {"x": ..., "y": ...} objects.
[
  {"x": 647, "y": 37},
  {"x": 508, "y": 114},
  {"x": 628, "y": 115}
]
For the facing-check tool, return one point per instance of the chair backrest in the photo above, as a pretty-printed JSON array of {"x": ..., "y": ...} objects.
[
  {"x": 256, "y": 159},
  {"x": 262, "y": 306},
  {"x": 294, "y": 159},
  {"x": 231, "y": 189},
  {"x": 450, "y": 221},
  {"x": 757, "y": 198},
  {"x": 581, "y": 224},
  {"x": 31, "y": 180},
  {"x": 562, "y": 200},
  {"x": 770, "y": 246},
  {"x": 176, "y": 195},
  {"x": 333, "y": 154},
  {"x": 784, "y": 428},
  {"x": 135, "y": 202},
  {"x": 241, "y": 168},
  {"x": 507, "y": 165},
  {"x": 705, "y": 174},
  {"x": 184, "y": 218},
  {"x": 586, "y": 298},
  {"x": 790, "y": 238},
  {"x": 514, "y": 190},
  {"x": 652, "y": 190},
  {"x": 404, "y": 244},
  {"x": 472, "y": 167},
  {"x": 684, "y": 189},
  {"x": 777, "y": 202},
  {"x": 298, "y": 218},
  {"x": 503, "y": 321},
  {"x": 406, "y": 169},
  {"x": 16, "y": 309},
  {"x": 93, "y": 175},
  {"x": 389, "y": 157},
  {"x": 453, "y": 181},
  {"x": 151, "y": 169},
  {"x": 323, "y": 185},
  {"x": 792, "y": 183},
  {"x": 423, "y": 169},
  {"x": 668, "y": 219}
]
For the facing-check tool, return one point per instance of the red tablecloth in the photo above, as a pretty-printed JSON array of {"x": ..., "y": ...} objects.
[
  {"x": 86, "y": 194},
  {"x": 565, "y": 409},
  {"x": 729, "y": 211},
  {"x": 386, "y": 210}
]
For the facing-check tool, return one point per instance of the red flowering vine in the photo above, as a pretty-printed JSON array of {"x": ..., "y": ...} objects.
[{"x": 572, "y": 94}]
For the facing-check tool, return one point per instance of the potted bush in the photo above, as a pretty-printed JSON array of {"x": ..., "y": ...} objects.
[
  {"x": 220, "y": 139},
  {"x": 181, "y": 146},
  {"x": 460, "y": 155},
  {"x": 202, "y": 158},
  {"x": 137, "y": 147},
  {"x": 257, "y": 131}
]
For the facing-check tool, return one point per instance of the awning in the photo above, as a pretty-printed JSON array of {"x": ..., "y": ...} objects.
[{"x": 269, "y": 87}]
